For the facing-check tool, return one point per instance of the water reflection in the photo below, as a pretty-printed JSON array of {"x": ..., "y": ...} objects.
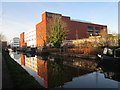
[
  {"x": 56, "y": 71},
  {"x": 15, "y": 55},
  {"x": 30, "y": 62},
  {"x": 110, "y": 69}
]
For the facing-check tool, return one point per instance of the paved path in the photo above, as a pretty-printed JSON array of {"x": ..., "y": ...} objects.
[
  {"x": 6, "y": 79},
  {"x": 0, "y": 70}
]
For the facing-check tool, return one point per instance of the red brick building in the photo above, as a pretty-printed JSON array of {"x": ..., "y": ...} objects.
[
  {"x": 4, "y": 44},
  {"x": 77, "y": 29},
  {"x": 22, "y": 40}
]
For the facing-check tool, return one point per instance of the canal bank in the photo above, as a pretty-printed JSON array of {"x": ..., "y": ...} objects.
[
  {"x": 14, "y": 76},
  {"x": 71, "y": 55},
  {"x": 89, "y": 54},
  {"x": 88, "y": 57}
]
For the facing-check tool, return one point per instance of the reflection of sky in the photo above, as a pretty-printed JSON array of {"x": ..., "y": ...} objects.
[
  {"x": 15, "y": 55},
  {"x": 92, "y": 80}
]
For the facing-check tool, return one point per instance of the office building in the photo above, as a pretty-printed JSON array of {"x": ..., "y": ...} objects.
[
  {"x": 77, "y": 30},
  {"x": 15, "y": 43}
]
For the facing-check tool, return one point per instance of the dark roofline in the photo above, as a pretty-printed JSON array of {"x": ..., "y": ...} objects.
[
  {"x": 88, "y": 23},
  {"x": 81, "y": 21}
]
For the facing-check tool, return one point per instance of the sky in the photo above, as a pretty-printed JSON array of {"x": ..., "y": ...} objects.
[{"x": 18, "y": 17}]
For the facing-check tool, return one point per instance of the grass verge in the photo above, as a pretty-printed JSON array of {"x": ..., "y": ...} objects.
[{"x": 21, "y": 78}]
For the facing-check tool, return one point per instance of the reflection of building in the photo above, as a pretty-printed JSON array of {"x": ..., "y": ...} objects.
[
  {"x": 22, "y": 59},
  {"x": 31, "y": 62},
  {"x": 43, "y": 71},
  {"x": 55, "y": 73}
]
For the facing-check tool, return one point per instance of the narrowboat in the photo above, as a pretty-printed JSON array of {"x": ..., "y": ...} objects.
[{"x": 110, "y": 53}]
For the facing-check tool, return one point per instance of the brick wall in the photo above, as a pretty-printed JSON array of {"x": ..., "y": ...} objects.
[{"x": 77, "y": 29}]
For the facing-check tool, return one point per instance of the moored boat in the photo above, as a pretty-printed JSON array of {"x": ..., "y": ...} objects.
[{"x": 110, "y": 53}]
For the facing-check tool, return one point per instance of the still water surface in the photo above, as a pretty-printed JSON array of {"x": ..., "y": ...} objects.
[{"x": 62, "y": 72}]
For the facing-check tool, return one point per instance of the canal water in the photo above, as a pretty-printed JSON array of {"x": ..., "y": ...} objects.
[{"x": 61, "y": 72}]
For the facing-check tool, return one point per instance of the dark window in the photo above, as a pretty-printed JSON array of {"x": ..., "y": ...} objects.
[
  {"x": 50, "y": 15},
  {"x": 90, "y": 29},
  {"x": 97, "y": 29}
]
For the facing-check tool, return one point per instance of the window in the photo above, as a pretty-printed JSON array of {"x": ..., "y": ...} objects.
[
  {"x": 97, "y": 29},
  {"x": 50, "y": 15},
  {"x": 90, "y": 29}
]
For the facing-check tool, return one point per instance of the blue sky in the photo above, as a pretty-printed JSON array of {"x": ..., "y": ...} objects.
[{"x": 19, "y": 17}]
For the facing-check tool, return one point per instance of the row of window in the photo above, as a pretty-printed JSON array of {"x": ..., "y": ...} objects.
[
  {"x": 91, "y": 29},
  {"x": 30, "y": 40},
  {"x": 31, "y": 36},
  {"x": 52, "y": 15},
  {"x": 30, "y": 32},
  {"x": 16, "y": 44}
]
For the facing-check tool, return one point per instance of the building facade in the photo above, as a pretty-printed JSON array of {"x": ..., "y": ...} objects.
[
  {"x": 15, "y": 42},
  {"x": 28, "y": 39},
  {"x": 4, "y": 44},
  {"x": 22, "y": 40},
  {"x": 77, "y": 30}
]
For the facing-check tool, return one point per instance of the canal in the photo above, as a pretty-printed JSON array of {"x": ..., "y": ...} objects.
[{"x": 65, "y": 72}]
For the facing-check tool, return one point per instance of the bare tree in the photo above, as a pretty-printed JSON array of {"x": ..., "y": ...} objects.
[{"x": 2, "y": 37}]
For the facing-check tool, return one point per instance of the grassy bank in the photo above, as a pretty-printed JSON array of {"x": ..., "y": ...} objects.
[{"x": 21, "y": 78}]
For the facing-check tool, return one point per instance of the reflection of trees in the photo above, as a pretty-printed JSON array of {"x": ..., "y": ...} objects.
[
  {"x": 58, "y": 74},
  {"x": 90, "y": 65}
]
